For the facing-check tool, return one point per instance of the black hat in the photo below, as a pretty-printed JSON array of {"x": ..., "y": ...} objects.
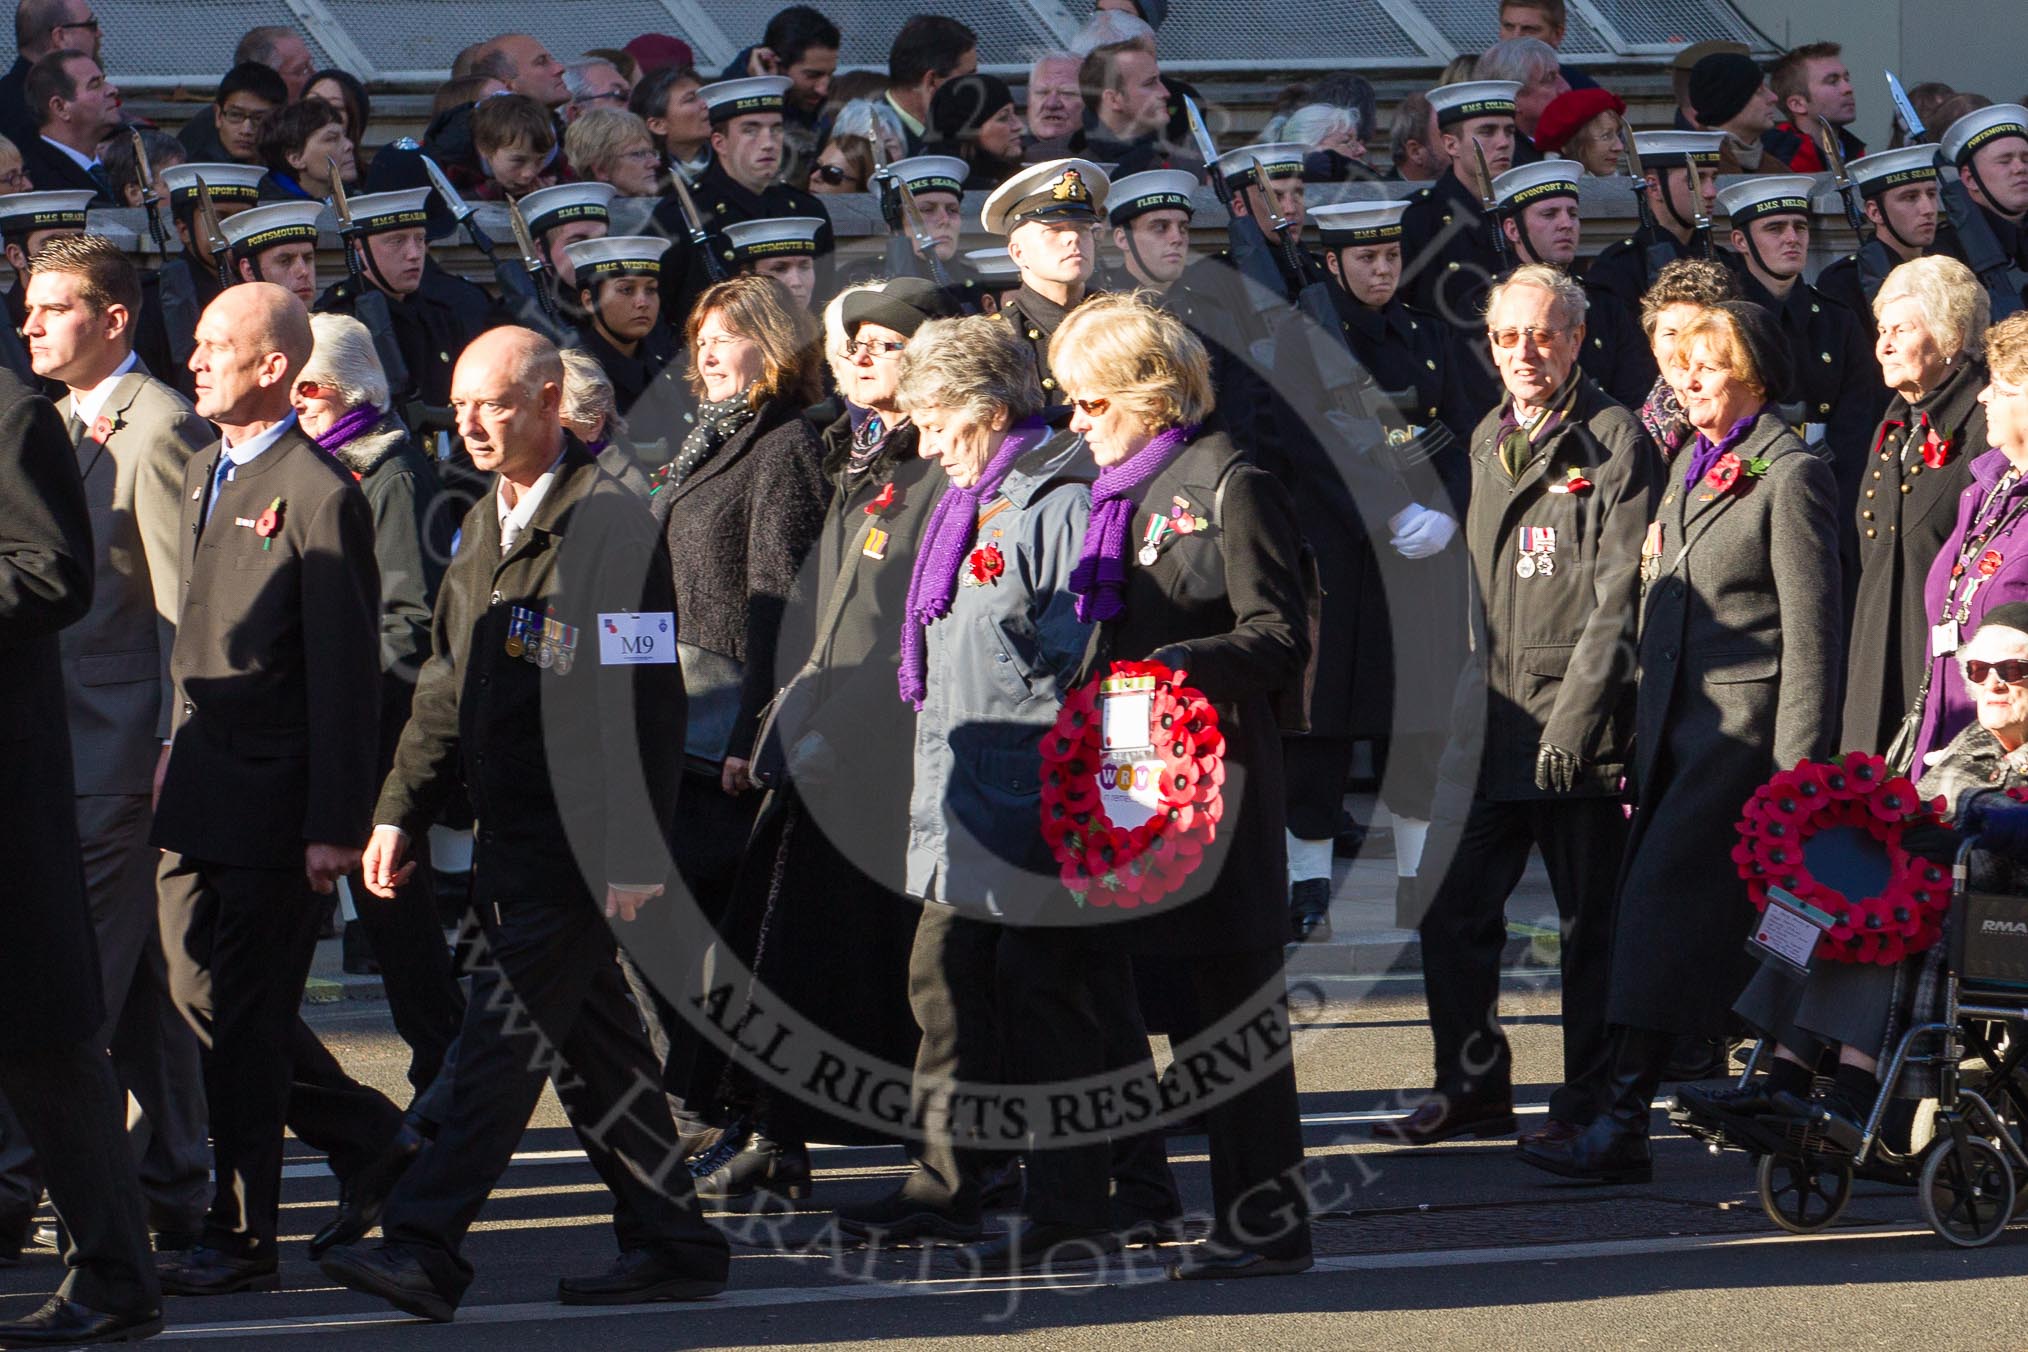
[
  {"x": 1721, "y": 85},
  {"x": 2009, "y": 615},
  {"x": 1766, "y": 346},
  {"x": 961, "y": 106},
  {"x": 904, "y": 305}
]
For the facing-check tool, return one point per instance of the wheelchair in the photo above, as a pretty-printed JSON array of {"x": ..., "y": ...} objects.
[{"x": 1972, "y": 1170}]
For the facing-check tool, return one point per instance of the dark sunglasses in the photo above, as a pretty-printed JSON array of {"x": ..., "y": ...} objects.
[
  {"x": 830, "y": 173},
  {"x": 1093, "y": 408},
  {"x": 2013, "y": 671}
]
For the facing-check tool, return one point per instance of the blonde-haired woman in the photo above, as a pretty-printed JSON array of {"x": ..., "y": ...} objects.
[
  {"x": 612, "y": 145},
  {"x": 1191, "y": 558}
]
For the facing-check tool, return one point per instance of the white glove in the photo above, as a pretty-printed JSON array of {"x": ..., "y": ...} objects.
[{"x": 1420, "y": 532}]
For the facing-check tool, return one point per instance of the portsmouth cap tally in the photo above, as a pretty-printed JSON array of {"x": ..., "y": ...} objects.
[
  {"x": 226, "y": 183},
  {"x": 1150, "y": 190},
  {"x": 1057, "y": 190},
  {"x": 264, "y": 227},
  {"x": 1281, "y": 159},
  {"x": 547, "y": 208},
  {"x": 1675, "y": 149},
  {"x": 773, "y": 237},
  {"x": 616, "y": 256},
  {"x": 1346, "y": 225},
  {"x": 1976, "y": 130},
  {"x": 24, "y": 213},
  {"x": 1530, "y": 183},
  {"x": 1890, "y": 169},
  {"x": 1754, "y": 199},
  {"x": 1455, "y": 103},
  {"x": 932, "y": 173},
  {"x": 736, "y": 98},
  {"x": 376, "y": 213}
]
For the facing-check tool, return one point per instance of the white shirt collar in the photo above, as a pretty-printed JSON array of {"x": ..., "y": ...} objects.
[
  {"x": 514, "y": 520},
  {"x": 83, "y": 162},
  {"x": 245, "y": 452},
  {"x": 89, "y": 404}
]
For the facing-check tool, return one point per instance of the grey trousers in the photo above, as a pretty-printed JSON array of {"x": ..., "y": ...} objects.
[{"x": 155, "y": 1054}]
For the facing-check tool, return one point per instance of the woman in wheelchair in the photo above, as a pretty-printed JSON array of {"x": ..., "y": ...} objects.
[{"x": 1848, "y": 1005}]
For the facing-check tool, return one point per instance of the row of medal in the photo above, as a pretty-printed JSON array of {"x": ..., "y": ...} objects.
[
  {"x": 542, "y": 639},
  {"x": 1538, "y": 551}
]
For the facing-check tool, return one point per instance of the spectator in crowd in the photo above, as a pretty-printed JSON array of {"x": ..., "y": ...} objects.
[
  {"x": 677, "y": 118},
  {"x": 1531, "y": 63},
  {"x": 974, "y": 118},
  {"x": 123, "y": 171},
  {"x": 1339, "y": 89},
  {"x": 523, "y": 65},
  {"x": 657, "y": 52},
  {"x": 1126, "y": 105},
  {"x": 611, "y": 145},
  {"x": 1055, "y": 105},
  {"x": 846, "y": 162},
  {"x": 1729, "y": 93},
  {"x": 1928, "y": 99},
  {"x": 1545, "y": 21},
  {"x": 1110, "y": 28},
  {"x": 801, "y": 44},
  {"x": 249, "y": 92},
  {"x": 462, "y": 91},
  {"x": 343, "y": 91},
  {"x": 1584, "y": 125},
  {"x": 1331, "y": 135},
  {"x": 1684, "y": 62},
  {"x": 593, "y": 84},
  {"x": 929, "y": 50},
  {"x": 1150, "y": 12},
  {"x": 621, "y": 60},
  {"x": 279, "y": 48},
  {"x": 515, "y": 139},
  {"x": 14, "y": 178},
  {"x": 1414, "y": 147},
  {"x": 42, "y": 27},
  {"x": 300, "y": 143},
  {"x": 1930, "y": 316},
  {"x": 1812, "y": 85},
  {"x": 76, "y": 108}
]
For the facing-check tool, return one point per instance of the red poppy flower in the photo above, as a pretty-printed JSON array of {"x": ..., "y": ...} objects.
[
  {"x": 1936, "y": 450},
  {"x": 102, "y": 427},
  {"x": 1724, "y": 474},
  {"x": 890, "y": 496},
  {"x": 987, "y": 564}
]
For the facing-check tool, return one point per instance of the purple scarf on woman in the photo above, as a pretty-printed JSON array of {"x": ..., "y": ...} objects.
[
  {"x": 348, "y": 427},
  {"x": 1101, "y": 572},
  {"x": 1704, "y": 454},
  {"x": 953, "y": 524}
]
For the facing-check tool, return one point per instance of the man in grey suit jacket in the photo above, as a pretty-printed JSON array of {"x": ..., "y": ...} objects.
[{"x": 133, "y": 435}]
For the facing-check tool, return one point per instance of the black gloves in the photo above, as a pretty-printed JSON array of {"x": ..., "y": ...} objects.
[{"x": 1556, "y": 769}]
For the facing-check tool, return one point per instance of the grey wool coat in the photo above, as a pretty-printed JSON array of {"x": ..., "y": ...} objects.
[
  {"x": 1740, "y": 654},
  {"x": 999, "y": 665}
]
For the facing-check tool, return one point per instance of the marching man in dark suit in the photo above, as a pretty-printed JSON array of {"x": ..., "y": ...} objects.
[
  {"x": 553, "y": 694},
  {"x": 266, "y": 786},
  {"x": 133, "y": 436},
  {"x": 52, "y": 1066}
]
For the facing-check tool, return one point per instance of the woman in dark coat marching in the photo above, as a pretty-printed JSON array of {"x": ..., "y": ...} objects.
[
  {"x": 1739, "y": 659},
  {"x": 1215, "y": 591},
  {"x": 1932, "y": 314}
]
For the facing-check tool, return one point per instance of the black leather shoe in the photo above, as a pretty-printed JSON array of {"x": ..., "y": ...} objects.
[
  {"x": 1148, "y": 1231},
  {"x": 1209, "y": 1262},
  {"x": 1440, "y": 1117},
  {"x": 1310, "y": 911},
  {"x": 1607, "y": 1151},
  {"x": 896, "y": 1219},
  {"x": 637, "y": 1277},
  {"x": 1754, "y": 1099},
  {"x": 761, "y": 1165},
  {"x": 208, "y": 1272},
  {"x": 1553, "y": 1132},
  {"x": 65, "y": 1323},
  {"x": 391, "y": 1275},
  {"x": 362, "y": 1197},
  {"x": 1038, "y": 1245},
  {"x": 1830, "y": 1117},
  {"x": 176, "y": 1240},
  {"x": 1003, "y": 1186}
]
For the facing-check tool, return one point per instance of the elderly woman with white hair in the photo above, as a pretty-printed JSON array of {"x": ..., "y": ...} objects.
[
  {"x": 341, "y": 402},
  {"x": 1931, "y": 316},
  {"x": 590, "y": 411},
  {"x": 1337, "y": 152}
]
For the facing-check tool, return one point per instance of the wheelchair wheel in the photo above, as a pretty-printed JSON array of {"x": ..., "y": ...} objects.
[
  {"x": 1967, "y": 1191},
  {"x": 1803, "y": 1196}
]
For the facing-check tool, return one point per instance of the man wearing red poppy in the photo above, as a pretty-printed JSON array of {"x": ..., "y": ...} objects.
[{"x": 1563, "y": 482}]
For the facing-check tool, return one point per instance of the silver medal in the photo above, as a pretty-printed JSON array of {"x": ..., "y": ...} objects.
[
  {"x": 1545, "y": 565},
  {"x": 1526, "y": 567},
  {"x": 1148, "y": 555}
]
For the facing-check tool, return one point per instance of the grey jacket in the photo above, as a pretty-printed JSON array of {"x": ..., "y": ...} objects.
[
  {"x": 998, "y": 667},
  {"x": 116, "y": 659}
]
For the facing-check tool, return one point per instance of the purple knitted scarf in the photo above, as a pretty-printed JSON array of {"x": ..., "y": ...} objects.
[
  {"x": 934, "y": 581},
  {"x": 348, "y": 427},
  {"x": 1101, "y": 571}
]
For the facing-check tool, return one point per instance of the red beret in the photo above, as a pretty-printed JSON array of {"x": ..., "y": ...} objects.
[
  {"x": 1567, "y": 112},
  {"x": 659, "y": 51}
]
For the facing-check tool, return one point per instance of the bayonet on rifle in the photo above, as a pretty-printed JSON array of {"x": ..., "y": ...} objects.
[
  {"x": 1490, "y": 204},
  {"x": 714, "y": 267},
  {"x": 214, "y": 234},
  {"x": 531, "y": 260},
  {"x": 1848, "y": 191},
  {"x": 1699, "y": 217}
]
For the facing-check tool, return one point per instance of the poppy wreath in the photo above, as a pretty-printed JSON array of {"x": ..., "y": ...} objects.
[
  {"x": 1907, "y": 916},
  {"x": 1108, "y": 865}
]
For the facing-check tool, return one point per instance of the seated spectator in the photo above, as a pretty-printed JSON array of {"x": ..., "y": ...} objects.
[
  {"x": 463, "y": 91},
  {"x": 279, "y": 48},
  {"x": 13, "y": 178},
  {"x": 801, "y": 44},
  {"x": 611, "y": 145},
  {"x": 1331, "y": 134},
  {"x": 1533, "y": 63},
  {"x": 1413, "y": 143},
  {"x": 1812, "y": 84},
  {"x": 657, "y": 52},
  {"x": 514, "y": 140},
  {"x": 299, "y": 144},
  {"x": 1545, "y": 21},
  {"x": 929, "y": 50},
  {"x": 248, "y": 93},
  {"x": 621, "y": 60},
  {"x": 1111, "y": 28},
  {"x": 974, "y": 118},
  {"x": 1125, "y": 104},
  {"x": 676, "y": 117},
  {"x": 1928, "y": 98},
  {"x": 523, "y": 64},
  {"x": 343, "y": 91},
  {"x": 846, "y": 162},
  {"x": 593, "y": 84},
  {"x": 1583, "y": 125},
  {"x": 1055, "y": 106},
  {"x": 75, "y": 108},
  {"x": 1729, "y": 93}
]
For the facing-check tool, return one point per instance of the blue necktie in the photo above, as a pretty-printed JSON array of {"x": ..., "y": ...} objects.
[{"x": 218, "y": 478}]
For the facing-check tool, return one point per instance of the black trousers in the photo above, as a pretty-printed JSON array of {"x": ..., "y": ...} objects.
[
  {"x": 75, "y": 1113},
  {"x": 1465, "y": 929},
  {"x": 548, "y": 1002},
  {"x": 1062, "y": 992},
  {"x": 423, "y": 994},
  {"x": 953, "y": 987},
  {"x": 238, "y": 944}
]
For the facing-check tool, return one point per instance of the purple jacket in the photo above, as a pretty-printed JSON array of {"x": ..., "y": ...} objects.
[{"x": 1948, "y": 710}]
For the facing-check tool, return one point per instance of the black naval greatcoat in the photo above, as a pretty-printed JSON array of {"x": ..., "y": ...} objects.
[
  {"x": 1448, "y": 263},
  {"x": 722, "y": 201}
]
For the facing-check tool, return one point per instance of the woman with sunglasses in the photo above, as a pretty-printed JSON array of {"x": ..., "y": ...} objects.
[
  {"x": 1984, "y": 563},
  {"x": 1847, "y": 1005}
]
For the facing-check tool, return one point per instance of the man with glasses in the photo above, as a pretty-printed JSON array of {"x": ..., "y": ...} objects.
[
  {"x": 42, "y": 27},
  {"x": 1563, "y": 483},
  {"x": 593, "y": 84}
]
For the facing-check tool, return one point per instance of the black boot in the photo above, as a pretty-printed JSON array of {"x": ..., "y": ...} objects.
[
  {"x": 1310, "y": 910},
  {"x": 1614, "y": 1148},
  {"x": 1840, "y": 1115},
  {"x": 764, "y": 1165},
  {"x": 1755, "y": 1098}
]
